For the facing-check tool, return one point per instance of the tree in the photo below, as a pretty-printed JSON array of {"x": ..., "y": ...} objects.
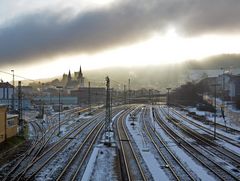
[{"x": 187, "y": 94}]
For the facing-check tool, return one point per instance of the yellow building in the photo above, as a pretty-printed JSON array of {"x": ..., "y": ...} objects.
[
  {"x": 12, "y": 125},
  {"x": 3, "y": 126},
  {"x": 8, "y": 124}
]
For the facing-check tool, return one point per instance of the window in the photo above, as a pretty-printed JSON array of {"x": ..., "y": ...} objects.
[{"x": 11, "y": 122}]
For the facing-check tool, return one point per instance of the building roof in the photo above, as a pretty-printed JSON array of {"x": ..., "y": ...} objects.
[
  {"x": 5, "y": 85},
  {"x": 3, "y": 105},
  {"x": 235, "y": 78},
  {"x": 9, "y": 116}
]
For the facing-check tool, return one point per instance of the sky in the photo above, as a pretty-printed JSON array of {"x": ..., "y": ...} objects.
[{"x": 45, "y": 38}]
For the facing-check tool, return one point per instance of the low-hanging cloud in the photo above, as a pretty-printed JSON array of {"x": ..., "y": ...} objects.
[{"x": 46, "y": 34}]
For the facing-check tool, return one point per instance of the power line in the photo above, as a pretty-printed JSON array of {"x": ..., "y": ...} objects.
[{"x": 19, "y": 76}]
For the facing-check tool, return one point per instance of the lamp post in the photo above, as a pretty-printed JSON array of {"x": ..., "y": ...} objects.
[
  {"x": 223, "y": 85},
  {"x": 89, "y": 98},
  {"x": 129, "y": 91},
  {"x": 168, "y": 89},
  {"x": 42, "y": 102},
  {"x": 223, "y": 96},
  {"x": 59, "y": 118},
  {"x": 13, "y": 101},
  {"x": 215, "y": 104}
]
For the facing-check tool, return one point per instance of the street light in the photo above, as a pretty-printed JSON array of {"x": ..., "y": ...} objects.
[
  {"x": 13, "y": 101},
  {"x": 223, "y": 85},
  {"x": 223, "y": 96},
  {"x": 59, "y": 119},
  {"x": 89, "y": 98},
  {"x": 168, "y": 89},
  {"x": 215, "y": 112},
  {"x": 42, "y": 101}
]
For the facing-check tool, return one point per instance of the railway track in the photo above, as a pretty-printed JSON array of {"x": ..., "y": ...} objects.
[
  {"x": 175, "y": 166},
  {"x": 34, "y": 151},
  {"x": 35, "y": 166},
  {"x": 218, "y": 135},
  {"x": 131, "y": 162},
  {"x": 193, "y": 149},
  {"x": 38, "y": 132},
  {"x": 218, "y": 125},
  {"x": 72, "y": 169},
  {"x": 209, "y": 144},
  {"x": 75, "y": 164},
  {"x": 62, "y": 146}
]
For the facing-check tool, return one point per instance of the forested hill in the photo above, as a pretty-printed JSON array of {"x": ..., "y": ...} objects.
[
  {"x": 216, "y": 62},
  {"x": 158, "y": 76}
]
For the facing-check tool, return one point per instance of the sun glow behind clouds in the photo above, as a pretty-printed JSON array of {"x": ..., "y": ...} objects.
[
  {"x": 159, "y": 49},
  {"x": 170, "y": 48}
]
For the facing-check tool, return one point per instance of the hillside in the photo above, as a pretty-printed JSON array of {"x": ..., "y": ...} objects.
[
  {"x": 216, "y": 62},
  {"x": 159, "y": 76}
]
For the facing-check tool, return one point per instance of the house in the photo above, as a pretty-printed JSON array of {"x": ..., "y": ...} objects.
[
  {"x": 6, "y": 93},
  {"x": 8, "y": 124},
  {"x": 6, "y": 96},
  {"x": 229, "y": 86},
  {"x": 234, "y": 87},
  {"x": 3, "y": 126}
]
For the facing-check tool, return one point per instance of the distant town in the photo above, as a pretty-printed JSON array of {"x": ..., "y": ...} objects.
[
  {"x": 73, "y": 89},
  {"x": 43, "y": 115}
]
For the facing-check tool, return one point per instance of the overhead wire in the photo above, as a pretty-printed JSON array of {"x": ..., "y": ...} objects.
[{"x": 19, "y": 76}]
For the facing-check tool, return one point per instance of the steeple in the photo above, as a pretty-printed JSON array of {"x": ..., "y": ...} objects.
[
  {"x": 80, "y": 75},
  {"x": 69, "y": 76}
]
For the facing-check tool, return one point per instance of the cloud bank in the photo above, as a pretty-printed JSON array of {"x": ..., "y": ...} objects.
[{"x": 47, "y": 34}]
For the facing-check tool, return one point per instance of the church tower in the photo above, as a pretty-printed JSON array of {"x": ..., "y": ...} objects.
[
  {"x": 69, "y": 76},
  {"x": 80, "y": 75},
  {"x": 69, "y": 80},
  {"x": 80, "y": 78}
]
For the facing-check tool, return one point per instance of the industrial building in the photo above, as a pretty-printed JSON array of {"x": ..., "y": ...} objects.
[
  {"x": 52, "y": 100},
  {"x": 95, "y": 94},
  {"x": 6, "y": 93},
  {"x": 8, "y": 124}
]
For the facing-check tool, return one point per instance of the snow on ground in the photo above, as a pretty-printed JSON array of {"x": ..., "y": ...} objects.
[
  {"x": 52, "y": 169},
  {"x": 233, "y": 109},
  {"x": 102, "y": 163},
  {"x": 219, "y": 120},
  {"x": 204, "y": 149},
  {"x": 68, "y": 126},
  {"x": 154, "y": 167},
  {"x": 197, "y": 168},
  {"x": 90, "y": 166},
  {"x": 30, "y": 116},
  {"x": 31, "y": 133},
  {"x": 210, "y": 128}
]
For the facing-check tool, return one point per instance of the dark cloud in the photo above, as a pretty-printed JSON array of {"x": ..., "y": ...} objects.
[
  {"x": 211, "y": 16},
  {"x": 46, "y": 34}
]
